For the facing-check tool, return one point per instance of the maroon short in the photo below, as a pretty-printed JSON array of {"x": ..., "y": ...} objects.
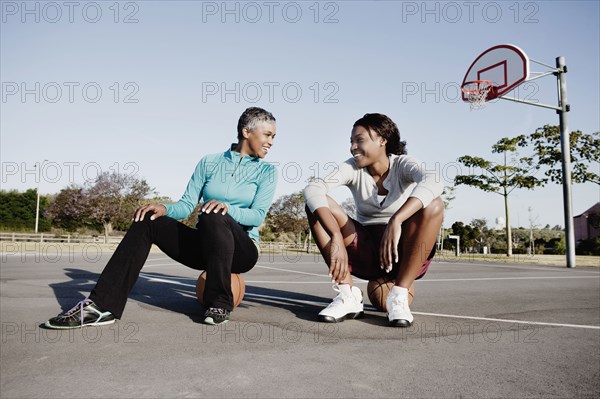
[{"x": 363, "y": 253}]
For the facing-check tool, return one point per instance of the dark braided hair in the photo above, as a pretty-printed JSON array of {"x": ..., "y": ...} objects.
[{"x": 387, "y": 129}]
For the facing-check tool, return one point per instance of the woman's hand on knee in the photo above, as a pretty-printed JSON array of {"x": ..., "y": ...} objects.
[
  {"x": 214, "y": 206},
  {"x": 158, "y": 210}
]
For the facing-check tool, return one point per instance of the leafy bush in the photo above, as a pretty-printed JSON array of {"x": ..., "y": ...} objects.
[{"x": 589, "y": 247}]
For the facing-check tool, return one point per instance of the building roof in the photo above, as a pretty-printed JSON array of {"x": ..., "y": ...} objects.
[{"x": 594, "y": 209}]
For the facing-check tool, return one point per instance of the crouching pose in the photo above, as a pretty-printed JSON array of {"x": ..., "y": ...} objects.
[
  {"x": 236, "y": 187},
  {"x": 398, "y": 217}
]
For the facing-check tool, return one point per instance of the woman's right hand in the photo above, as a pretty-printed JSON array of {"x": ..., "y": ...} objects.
[
  {"x": 158, "y": 209},
  {"x": 338, "y": 260}
]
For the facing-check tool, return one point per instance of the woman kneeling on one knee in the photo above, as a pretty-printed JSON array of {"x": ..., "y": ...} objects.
[
  {"x": 399, "y": 214},
  {"x": 237, "y": 189}
]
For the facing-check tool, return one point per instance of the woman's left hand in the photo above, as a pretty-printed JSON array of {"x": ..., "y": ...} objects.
[
  {"x": 388, "y": 248},
  {"x": 214, "y": 206}
]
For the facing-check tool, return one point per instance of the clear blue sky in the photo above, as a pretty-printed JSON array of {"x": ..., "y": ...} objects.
[{"x": 148, "y": 87}]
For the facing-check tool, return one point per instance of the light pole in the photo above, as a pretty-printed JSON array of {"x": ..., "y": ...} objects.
[{"x": 37, "y": 206}]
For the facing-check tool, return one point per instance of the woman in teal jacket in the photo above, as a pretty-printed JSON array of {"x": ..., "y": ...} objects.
[{"x": 236, "y": 187}]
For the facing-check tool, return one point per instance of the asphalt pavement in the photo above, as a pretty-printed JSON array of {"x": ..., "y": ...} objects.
[{"x": 480, "y": 330}]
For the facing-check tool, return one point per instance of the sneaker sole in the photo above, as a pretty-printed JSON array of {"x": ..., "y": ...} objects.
[
  {"x": 209, "y": 320},
  {"x": 331, "y": 319},
  {"x": 102, "y": 323},
  {"x": 400, "y": 323}
]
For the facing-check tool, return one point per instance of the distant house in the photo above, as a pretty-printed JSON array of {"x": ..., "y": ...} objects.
[{"x": 587, "y": 225}]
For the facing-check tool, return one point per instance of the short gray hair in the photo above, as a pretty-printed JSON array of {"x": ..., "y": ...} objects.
[{"x": 251, "y": 117}]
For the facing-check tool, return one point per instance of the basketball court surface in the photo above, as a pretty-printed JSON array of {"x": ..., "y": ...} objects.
[{"x": 480, "y": 330}]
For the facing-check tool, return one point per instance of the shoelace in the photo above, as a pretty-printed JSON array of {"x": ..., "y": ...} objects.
[
  {"x": 216, "y": 310},
  {"x": 80, "y": 305}
]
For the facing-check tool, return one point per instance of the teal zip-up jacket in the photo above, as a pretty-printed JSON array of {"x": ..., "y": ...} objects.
[{"x": 245, "y": 184}]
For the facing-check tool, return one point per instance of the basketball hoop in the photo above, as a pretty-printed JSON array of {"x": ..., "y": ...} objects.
[{"x": 477, "y": 92}]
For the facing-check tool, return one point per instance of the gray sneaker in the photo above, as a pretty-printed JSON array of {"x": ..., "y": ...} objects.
[
  {"x": 85, "y": 313},
  {"x": 216, "y": 316}
]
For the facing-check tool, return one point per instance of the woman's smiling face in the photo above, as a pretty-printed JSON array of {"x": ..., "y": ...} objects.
[
  {"x": 366, "y": 147},
  {"x": 260, "y": 139}
]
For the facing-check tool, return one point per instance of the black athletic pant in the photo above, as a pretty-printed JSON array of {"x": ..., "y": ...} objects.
[{"x": 218, "y": 245}]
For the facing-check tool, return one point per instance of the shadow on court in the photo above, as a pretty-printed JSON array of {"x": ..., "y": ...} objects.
[{"x": 178, "y": 294}]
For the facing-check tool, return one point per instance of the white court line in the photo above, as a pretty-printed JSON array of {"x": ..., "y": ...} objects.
[
  {"x": 423, "y": 281},
  {"x": 286, "y": 300},
  {"x": 173, "y": 277},
  {"x": 163, "y": 264},
  {"x": 310, "y": 274},
  {"x": 164, "y": 280},
  {"x": 283, "y": 299},
  {"x": 159, "y": 258},
  {"x": 288, "y": 282},
  {"x": 292, "y": 271},
  {"x": 418, "y": 282},
  {"x": 504, "y": 278},
  {"x": 264, "y": 267},
  {"x": 529, "y": 266},
  {"x": 296, "y": 263},
  {"x": 538, "y": 323}
]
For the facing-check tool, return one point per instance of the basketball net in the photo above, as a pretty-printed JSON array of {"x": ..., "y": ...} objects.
[{"x": 476, "y": 93}]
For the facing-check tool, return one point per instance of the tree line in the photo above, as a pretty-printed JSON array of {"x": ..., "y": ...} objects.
[
  {"x": 103, "y": 205},
  {"x": 477, "y": 235},
  {"x": 529, "y": 161}
]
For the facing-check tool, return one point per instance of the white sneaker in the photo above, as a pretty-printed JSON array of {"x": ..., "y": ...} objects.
[
  {"x": 348, "y": 304},
  {"x": 397, "y": 307}
]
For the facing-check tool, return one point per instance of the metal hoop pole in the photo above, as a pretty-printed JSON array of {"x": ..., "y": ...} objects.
[{"x": 565, "y": 148}]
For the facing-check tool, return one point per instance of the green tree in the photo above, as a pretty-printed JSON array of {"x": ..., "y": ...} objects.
[
  {"x": 69, "y": 209},
  {"x": 287, "y": 215},
  {"x": 585, "y": 150},
  {"x": 502, "y": 178},
  {"x": 447, "y": 197},
  {"x": 484, "y": 233},
  {"x": 558, "y": 245},
  {"x": 468, "y": 235},
  {"x": 113, "y": 198},
  {"x": 17, "y": 210}
]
